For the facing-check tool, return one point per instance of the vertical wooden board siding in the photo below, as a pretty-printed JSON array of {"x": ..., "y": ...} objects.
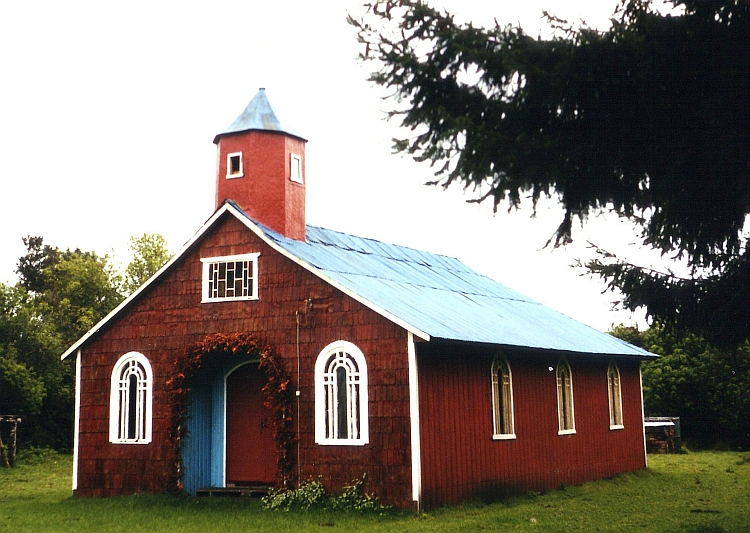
[
  {"x": 169, "y": 317},
  {"x": 196, "y": 447},
  {"x": 461, "y": 460}
]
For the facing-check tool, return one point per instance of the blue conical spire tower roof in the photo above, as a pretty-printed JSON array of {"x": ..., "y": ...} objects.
[{"x": 261, "y": 116}]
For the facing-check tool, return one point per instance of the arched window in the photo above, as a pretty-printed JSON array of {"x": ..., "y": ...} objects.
[
  {"x": 130, "y": 400},
  {"x": 502, "y": 400},
  {"x": 615, "y": 396},
  {"x": 566, "y": 420},
  {"x": 341, "y": 395}
]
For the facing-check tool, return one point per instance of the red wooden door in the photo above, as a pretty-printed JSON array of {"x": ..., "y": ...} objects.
[{"x": 251, "y": 450}]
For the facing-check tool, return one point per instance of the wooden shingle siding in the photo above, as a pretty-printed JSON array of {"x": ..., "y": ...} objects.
[
  {"x": 169, "y": 317},
  {"x": 461, "y": 460}
]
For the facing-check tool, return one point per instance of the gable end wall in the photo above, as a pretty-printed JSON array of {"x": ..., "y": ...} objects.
[{"x": 168, "y": 317}]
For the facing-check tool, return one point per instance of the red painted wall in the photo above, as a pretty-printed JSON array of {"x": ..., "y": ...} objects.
[
  {"x": 265, "y": 191},
  {"x": 168, "y": 318},
  {"x": 460, "y": 459}
]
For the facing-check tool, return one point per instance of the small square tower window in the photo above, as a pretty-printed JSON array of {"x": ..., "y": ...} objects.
[
  {"x": 295, "y": 166},
  {"x": 234, "y": 165}
]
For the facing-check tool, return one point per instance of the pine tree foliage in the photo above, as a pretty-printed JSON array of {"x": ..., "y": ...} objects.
[{"x": 649, "y": 119}]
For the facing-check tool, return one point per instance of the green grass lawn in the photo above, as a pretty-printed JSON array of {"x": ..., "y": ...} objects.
[{"x": 695, "y": 492}]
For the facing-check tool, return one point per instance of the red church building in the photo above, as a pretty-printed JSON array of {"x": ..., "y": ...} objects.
[{"x": 268, "y": 351}]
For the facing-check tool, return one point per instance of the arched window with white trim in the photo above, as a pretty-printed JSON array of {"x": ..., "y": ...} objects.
[
  {"x": 502, "y": 400},
  {"x": 341, "y": 395},
  {"x": 130, "y": 400},
  {"x": 566, "y": 420},
  {"x": 615, "y": 396}
]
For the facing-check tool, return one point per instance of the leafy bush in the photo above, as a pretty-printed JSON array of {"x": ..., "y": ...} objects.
[
  {"x": 354, "y": 498},
  {"x": 36, "y": 455},
  {"x": 312, "y": 494},
  {"x": 309, "y": 494}
]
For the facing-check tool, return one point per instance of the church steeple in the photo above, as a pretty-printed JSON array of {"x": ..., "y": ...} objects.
[{"x": 261, "y": 167}]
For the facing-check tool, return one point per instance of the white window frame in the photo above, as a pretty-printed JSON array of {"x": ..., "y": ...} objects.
[
  {"x": 240, "y": 173},
  {"x": 503, "y": 422},
  {"x": 341, "y": 356},
  {"x": 295, "y": 168},
  {"x": 614, "y": 395},
  {"x": 251, "y": 287},
  {"x": 132, "y": 364},
  {"x": 565, "y": 399}
]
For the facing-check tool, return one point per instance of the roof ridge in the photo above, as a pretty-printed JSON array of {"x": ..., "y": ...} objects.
[{"x": 384, "y": 243}]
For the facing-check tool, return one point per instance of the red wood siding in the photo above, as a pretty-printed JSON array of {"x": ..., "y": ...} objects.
[
  {"x": 168, "y": 318},
  {"x": 461, "y": 461}
]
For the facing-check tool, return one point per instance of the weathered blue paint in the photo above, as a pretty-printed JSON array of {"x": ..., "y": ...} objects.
[
  {"x": 203, "y": 451},
  {"x": 260, "y": 115},
  {"x": 218, "y": 396},
  {"x": 196, "y": 448}
]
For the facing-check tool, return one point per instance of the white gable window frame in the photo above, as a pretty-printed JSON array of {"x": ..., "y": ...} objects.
[
  {"x": 295, "y": 168},
  {"x": 503, "y": 422},
  {"x": 615, "y": 397},
  {"x": 565, "y": 412},
  {"x": 130, "y": 401},
  {"x": 341, "y": 400},
  {"x": 234, "y": 165},
  {"x": 230, "y": 278}
]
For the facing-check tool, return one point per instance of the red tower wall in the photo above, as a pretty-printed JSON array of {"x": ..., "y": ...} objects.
[{"x": 265, "y": 191}]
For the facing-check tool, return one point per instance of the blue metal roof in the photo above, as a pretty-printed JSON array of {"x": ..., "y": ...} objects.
[
  {"x": 431, "y": 295},
  {"x": 442, "y": 297},
  {"x": 260, "y": 115}
]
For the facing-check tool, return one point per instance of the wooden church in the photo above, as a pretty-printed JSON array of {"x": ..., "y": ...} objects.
[{"x": 268, "y": 352}]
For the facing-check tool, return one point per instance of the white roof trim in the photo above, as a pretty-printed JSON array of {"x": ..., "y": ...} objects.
[
  {"x": 176, "y": 257},
  {"x": 239, "y": 215}
]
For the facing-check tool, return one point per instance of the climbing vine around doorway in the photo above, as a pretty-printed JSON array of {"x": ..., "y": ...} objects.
[{"x": 278, "y": 392}]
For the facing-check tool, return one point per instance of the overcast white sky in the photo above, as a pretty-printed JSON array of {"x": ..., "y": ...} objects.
[{"x": 108, "y": 111}]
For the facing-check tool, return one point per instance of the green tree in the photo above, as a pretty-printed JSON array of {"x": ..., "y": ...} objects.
[
  {"x": 150, "y": 254},
  {"x": 32, "y": 377},
  {"x": 21, "y": 391},
  {"x": 707, "y": 387},
  {"x": 648, "y": 119},
  {"x": 60, "y": 295}
]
